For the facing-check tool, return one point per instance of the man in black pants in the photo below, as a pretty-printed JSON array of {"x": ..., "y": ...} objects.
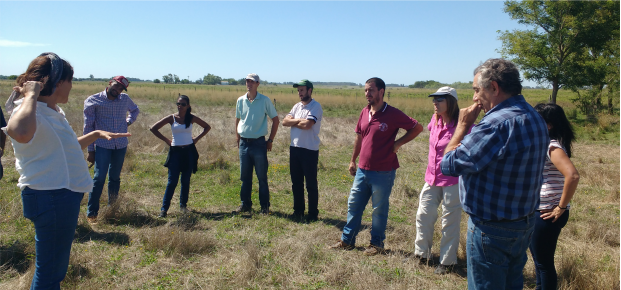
[{"x": 305, "y": 122}]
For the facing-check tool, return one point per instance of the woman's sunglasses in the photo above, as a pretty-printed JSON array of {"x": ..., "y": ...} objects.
[
  {"x": 182, "y": 104},
  {"x": 438, "y": 99}
]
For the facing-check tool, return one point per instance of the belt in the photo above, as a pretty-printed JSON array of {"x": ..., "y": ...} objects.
[{"x": 251, "y": 139}]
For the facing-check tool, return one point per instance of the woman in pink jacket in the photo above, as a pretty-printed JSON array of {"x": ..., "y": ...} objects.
[{"x": 439, "y": 189}]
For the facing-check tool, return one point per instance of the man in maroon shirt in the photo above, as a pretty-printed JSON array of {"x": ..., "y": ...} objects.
[{"x": 375, "y": 174}]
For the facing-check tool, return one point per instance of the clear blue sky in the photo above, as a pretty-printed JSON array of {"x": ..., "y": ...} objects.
[{"x": 401, "y": 42}]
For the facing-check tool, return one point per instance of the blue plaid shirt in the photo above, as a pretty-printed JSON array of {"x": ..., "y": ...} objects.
[
  {"x": 500, "y": 163},
  {"x": 100, "y": 113}
]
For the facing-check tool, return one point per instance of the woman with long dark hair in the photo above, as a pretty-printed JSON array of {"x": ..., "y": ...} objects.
[
  {"x": 182, "y": 154},
  {"x": 560, "y": 180},
  {"x": 438, "y": 188},
  {"x": 50, "y": 161}
]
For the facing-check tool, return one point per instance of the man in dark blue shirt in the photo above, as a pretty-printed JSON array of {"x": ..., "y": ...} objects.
[{"x": 500, "y": 164}]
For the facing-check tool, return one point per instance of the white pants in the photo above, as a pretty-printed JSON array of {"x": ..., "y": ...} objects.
[{"x": 426, "y": 216}]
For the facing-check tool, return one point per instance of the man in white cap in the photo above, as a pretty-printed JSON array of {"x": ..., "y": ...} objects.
[
  {"x": 107, "y": 111},
  {"x": 251, "y": 113}
]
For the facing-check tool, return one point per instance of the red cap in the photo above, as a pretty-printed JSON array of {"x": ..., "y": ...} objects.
[{"x": 122, "y": 80}]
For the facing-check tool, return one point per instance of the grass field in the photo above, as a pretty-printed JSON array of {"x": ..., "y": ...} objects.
[{"x": 209, "y": 248}]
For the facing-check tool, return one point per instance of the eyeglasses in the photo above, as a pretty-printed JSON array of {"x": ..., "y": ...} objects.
[
  {"x": 182, "y": 104},
  {"x": 438, "y": 99}
]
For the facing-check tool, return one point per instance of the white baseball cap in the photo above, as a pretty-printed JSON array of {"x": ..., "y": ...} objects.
[
  {"x": 253, "y": 77},
  {"x": 443, "y": 91}
]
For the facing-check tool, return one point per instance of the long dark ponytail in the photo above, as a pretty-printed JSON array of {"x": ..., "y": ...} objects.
[
  {"x": 188, "y": 114},
  {"x": 561, "y": 129}
]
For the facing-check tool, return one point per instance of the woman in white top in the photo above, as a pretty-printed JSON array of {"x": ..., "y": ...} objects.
[
  {"x": 50, "y": 161},
  {"x": 560, "y": 180},
  {"x": 182, "y": 154}
]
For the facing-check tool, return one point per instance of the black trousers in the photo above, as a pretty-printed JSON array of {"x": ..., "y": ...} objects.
[{"x": 303, "y": 165}]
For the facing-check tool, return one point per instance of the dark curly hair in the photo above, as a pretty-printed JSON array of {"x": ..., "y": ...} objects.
[{"x": 561, "y": 130}]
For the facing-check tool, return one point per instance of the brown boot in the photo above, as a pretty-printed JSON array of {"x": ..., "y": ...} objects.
[
  {"x": 373, "y": 250},
  {"x": 340, "y": 245}
]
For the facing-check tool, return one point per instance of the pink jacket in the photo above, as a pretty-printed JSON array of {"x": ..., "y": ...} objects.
[{"x": 439, "y": 137}]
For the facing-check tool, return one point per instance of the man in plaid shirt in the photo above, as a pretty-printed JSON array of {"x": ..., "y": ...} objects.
[
  {"x": 107, "y": 111},
  {"x": 501, "y": 165}
]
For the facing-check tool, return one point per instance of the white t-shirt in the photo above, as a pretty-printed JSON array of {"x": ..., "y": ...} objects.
[
  {"x": 53, "y": 158},
  {"x": 308, "y": 139}
]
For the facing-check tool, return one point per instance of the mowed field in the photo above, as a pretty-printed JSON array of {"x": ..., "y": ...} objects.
[{"x": 210, "y": 248}]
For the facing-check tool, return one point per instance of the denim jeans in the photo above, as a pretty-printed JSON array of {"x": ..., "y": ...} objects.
[
  {"x": 55, "y": 217},
  {"x": 543, "y": 246},
  {"x": 176, "y": 166},
  {"x": 253, "y": 153},
  {"x": 374, "y": 185},
  {"x": 107, "y": 162},
  {"x": 303, "y": 165},
  {"x": 496, "y": 252}
]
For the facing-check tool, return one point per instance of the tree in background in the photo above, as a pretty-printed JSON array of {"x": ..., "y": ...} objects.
[
  {"x": 168, "y": 79},
  {"x": 156, "y": 81},
  {"x": 210, "y": 79},
  {"x": 176, "y": 79},
  {"x": 185, "y": 81},
  {"x": 553, "y": 51}
]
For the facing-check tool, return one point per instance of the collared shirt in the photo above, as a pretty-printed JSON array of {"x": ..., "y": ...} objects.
[
  {"x": 501, "y": 162},
  {"x": 101, "y": 113},
  {"x": 378, "y": 134},
  {"x": 308, "y": 139},
  {"x": 439, "y": 136},
  {"x": 253, "y": 115},
  {"x": 53, "y": 158}
]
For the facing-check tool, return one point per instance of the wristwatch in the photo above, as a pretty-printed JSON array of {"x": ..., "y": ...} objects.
[{"x": 270, "y": 140}]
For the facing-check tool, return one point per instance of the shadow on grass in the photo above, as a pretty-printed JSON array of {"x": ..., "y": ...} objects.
[
  {"x": 85, "y": 234},
  {"x": 218, "y": 216},
  {"x": 15, "y": 256}
]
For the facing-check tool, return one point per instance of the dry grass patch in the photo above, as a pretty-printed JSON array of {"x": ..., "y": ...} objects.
[{"x": 175, "y": 241}]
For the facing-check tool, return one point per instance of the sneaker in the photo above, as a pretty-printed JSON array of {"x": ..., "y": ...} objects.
[
  {"x": 92, "y": 220},
  {"x": 340, "y": 245},
  {"x": 242, "y": 208},
  {"x": 162, "y": 214},
  {"x": 184, "y": 210},
  {"x": 265, "y": 210},
  {"x": 443, "y": 269},
  {"x": 373, "y": 250}
]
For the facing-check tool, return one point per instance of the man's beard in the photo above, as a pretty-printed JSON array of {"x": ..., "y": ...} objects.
[{"x": 306, "y": 98}]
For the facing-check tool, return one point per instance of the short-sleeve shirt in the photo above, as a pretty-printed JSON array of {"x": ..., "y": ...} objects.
[
  {"x": 308, "y": 139},
  {"x": 553, "y": 181},
  {"x": 253, "y": 115},
  {"x": 53, "y": 158},
  {"x": 378, "y": 134}
]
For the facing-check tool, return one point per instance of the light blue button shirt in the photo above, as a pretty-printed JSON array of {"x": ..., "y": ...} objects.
[{"x": 253, "y": 115}]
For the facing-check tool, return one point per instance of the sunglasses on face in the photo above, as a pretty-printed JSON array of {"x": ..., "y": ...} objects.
[
  {"x": 182, "y": 104},
  {"x": 438, "y": 99}
]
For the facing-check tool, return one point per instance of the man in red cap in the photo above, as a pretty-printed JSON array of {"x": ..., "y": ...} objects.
[{"x": 107, "y": 111}]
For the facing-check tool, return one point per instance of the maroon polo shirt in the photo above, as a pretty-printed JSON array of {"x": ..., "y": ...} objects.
[{"x": 378, "y": 137}]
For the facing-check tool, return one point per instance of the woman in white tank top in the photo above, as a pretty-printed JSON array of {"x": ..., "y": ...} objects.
[{"x": 182, "y": 155}]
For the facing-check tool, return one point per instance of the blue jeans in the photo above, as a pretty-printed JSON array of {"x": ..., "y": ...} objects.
[
  {"x": 176, "y": 166},
  {"x": 107, "y": 162},
  {"x": 496, "y": 252},
  {"x": 55, "y": 217},
  {"x": 253, "y": 153},
  {"x": 374, "y": 185},
  {"x": 543, "y": 246},
  {"x": 303, "y": 165}
]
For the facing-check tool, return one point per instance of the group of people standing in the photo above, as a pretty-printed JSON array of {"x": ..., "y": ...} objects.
[{"x": 505, "y": 172}]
